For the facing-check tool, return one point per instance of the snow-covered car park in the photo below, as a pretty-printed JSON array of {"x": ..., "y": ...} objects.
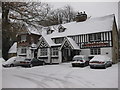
[{"x": 60, "y": 76}]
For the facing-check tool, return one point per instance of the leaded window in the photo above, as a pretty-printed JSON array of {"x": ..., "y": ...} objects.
[
  {"x": 95, "y": 51},
  {"x": 23, "y": 50},
  {"x": 43, "y": 52},
  {"x": 54, "y": 51},
  {"x": 95, "y": 37},
  {"x": 58, "y": 40}
]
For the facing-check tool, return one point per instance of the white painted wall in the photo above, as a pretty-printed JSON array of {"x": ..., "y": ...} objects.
[
  {"x": 107, "y": 50},
  {"x": 18, "y": 51},
  {"x": 85, "y": 52},
  {"x": 38, "y": 54},
  {"x": 49, "y": 55},
  {"x": 104, "y": 51},
  {"x": 60, "y": 56},
  {"x": 29, "y": 53}
]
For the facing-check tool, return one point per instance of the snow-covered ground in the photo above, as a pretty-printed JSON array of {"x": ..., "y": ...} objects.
[{"x": 60, "y": 76}]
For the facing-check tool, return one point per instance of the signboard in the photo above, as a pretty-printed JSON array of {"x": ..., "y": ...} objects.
[{"x": 95, "y": 44}]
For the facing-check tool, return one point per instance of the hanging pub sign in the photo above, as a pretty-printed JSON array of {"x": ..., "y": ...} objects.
[{"x": 95, "y": 44}]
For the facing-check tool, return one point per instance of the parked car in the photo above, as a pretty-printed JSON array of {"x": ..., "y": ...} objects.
[
  {"x": 35, "y": 62},
  {"x": 100, "y": 61},
  {"x": 2, "y": 60},
  {"x": 15, "y": 61},
  {"x": 80, "y": 61}
]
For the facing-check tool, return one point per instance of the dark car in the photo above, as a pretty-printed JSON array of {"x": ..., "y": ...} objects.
[{"x": 35, "y": 62}]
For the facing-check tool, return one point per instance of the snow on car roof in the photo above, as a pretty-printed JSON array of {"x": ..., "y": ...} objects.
[
  {"x": 100, "y": 58},
  {"x": 13, "y": 48},
  {"x": 92, "y": 25}
]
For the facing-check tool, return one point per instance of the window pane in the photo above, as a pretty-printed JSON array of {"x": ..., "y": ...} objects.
[
  {"x": 95, "y": 51},
  {"x": 23, "y": 50}
]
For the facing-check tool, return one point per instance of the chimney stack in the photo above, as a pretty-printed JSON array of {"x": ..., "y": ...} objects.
[{"x": 80, "y": 17}]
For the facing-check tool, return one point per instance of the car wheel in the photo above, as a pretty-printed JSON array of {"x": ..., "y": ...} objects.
[
  {"x": 43, "y": 63},
  {"x": 110, "y": 65},
  {"x": 105, "y": 67},
  {"x": 73, "y": 65},
  {"x": 11, "y": 65},
  {"x": 91, "y": 67}
]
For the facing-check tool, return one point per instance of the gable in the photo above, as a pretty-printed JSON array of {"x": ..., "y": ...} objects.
[
  {"x": 69, "y": 43},
  {"x": 42, "y": 43}
]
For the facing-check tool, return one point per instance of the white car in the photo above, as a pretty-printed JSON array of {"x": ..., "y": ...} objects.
[
  {"x": 2, "y": 60},
  {"x": 80, "y": 61},
  {"x": 100, "y": 61},
  {"x": 15, "y": 61}
]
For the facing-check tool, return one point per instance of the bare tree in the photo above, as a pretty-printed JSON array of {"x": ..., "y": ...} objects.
[{"x": 15, "y": 14}]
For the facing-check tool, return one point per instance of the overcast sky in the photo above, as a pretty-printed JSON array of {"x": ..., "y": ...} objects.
[{"x": 94, "y": 9}]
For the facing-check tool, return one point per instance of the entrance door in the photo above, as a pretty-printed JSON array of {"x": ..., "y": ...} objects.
[{"x": 68, "y": 54}]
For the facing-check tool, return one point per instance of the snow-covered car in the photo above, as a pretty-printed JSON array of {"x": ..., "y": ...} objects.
[
  {"x": 35, "y": 62},
  {"x": 80, "y": 61},
  {"x": 2, "y": 60},
  {"x": 15, "y": 61},
  {"x": 100, "y": 61}
]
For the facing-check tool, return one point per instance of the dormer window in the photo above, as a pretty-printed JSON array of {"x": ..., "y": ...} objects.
[
  {"x": 49, "y": 30},
  {"x": 61, "y": 28}
]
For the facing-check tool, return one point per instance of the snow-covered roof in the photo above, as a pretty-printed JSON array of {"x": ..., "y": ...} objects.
[
  {"x": 72, "y": 42},
  {"x": 50, "y": 41},
  {"x": 92, "y": 25},
  {"x": 13, "y": 48}
]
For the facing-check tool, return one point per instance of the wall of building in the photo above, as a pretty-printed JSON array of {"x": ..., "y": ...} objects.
[
  {"x": 28, "y": 53},
  {"x": 104, "y": 51},
  {"x": 85, "y": 52},
  {"x": 107, "y": 51}
]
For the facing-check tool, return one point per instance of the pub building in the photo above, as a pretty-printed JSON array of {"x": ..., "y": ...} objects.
[{"x": 85, "y": 36}]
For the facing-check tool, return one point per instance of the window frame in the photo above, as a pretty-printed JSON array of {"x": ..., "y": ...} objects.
[
  {"x": 95, "y": 37},
  {"x": 23, "y": 50},
  {"x": 54, "y": 51},
  {"x": 95, "y": 51},
  {"x": 43, "y": 52}
]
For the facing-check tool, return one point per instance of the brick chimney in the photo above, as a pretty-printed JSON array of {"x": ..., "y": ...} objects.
[{"x": 80, "y": 17}]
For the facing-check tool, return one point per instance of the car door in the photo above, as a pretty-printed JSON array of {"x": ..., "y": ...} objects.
[{"x": 34, "y": 62}]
